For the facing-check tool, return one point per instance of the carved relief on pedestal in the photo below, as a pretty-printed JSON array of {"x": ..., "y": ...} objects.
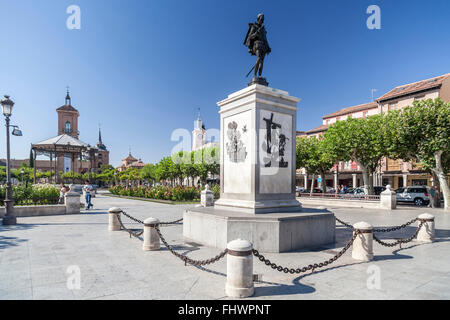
[
  {"x": 274, "y": 144},
  {"x": 235, "y": 148}
]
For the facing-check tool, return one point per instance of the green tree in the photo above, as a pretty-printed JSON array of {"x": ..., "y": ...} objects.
[
  {"x": 31, "y": 160},
  {"x": 363, "y": 140},
  {"x": 422, "y": 132},
  {"x": 312, "y": 154}
]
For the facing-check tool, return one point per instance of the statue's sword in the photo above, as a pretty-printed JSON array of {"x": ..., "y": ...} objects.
[{"x": 250, "y": 71}]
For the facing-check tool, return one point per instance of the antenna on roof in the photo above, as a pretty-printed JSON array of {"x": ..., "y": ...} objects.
[{"x": 373, "y": 90}]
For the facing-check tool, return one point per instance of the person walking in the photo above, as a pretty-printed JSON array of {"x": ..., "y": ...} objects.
[
  {"x": 62, "y": 192},
  {"x": 432, "y": 203},
  {"x": 88, "y": 189}
]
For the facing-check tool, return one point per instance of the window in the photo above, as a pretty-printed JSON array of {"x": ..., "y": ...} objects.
[
  {"x": 67, "y": 127},
  {"x": 392, "y": 106},
  {"x": 419, "y": 98}
]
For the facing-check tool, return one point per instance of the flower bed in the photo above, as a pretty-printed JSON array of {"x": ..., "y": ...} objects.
[
  {"x": 177, "y": 193},
  {"x": 39, "y": 194}
]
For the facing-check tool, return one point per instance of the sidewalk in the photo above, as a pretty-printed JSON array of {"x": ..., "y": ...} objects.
[{"x": 36, "y": 254}]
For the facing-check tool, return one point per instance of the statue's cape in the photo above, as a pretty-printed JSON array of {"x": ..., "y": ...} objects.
[{"x": 247, "y": 42}]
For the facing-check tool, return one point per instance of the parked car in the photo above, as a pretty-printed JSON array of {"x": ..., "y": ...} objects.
[
  {"x": 315, "y": 190},
  {"x": 417, "y": 195},
  {"x": 360, "y": 191},
  {"x": 299, "y": 189},
  {"x": 330, "y": 189}
]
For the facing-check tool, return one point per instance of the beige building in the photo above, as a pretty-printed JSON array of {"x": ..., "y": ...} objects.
[
  {"x": 130, "y": 162},
  {"x": 397, "y": 173}
]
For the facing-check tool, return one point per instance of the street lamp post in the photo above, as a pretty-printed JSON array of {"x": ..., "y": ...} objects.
[{"x": 9, "y": 218}]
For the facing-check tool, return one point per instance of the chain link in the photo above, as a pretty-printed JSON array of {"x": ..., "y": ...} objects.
[
  {"x": 386, "y": 229},
  {"x": 142, "y": 222},
  {"x": 342, "y": 222},
  {"x": 399, "y": 241},
  {"x": 171, "y": 222},
  {"x": 389, "y": 229},
  {"x": 187, "y": 259},
  {"x": 132, "y": 218},
  {"x": 132, "y": 232},
  {"x": 311, "y": 267}
]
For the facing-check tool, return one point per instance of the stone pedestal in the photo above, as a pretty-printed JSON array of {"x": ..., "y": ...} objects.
[
  {"x": 271, "y": 232},
  {"x": 239, "y": 269},
  {"x": 151, "y": 237},
  {"x": 257, "y": 151},
  {"x": 207, "y": 197},
  {"x": 257, "y": 175},
  {"x": 426, "y": 233},
  {"x": 362, "y": 249},
  {"x": 72, "y": 202},
  {"x": 114, "y": 215},
  {"x": 388, "y": 198}
]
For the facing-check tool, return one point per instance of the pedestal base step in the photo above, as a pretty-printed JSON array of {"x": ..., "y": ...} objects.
[{"x": 270, "y": 232}]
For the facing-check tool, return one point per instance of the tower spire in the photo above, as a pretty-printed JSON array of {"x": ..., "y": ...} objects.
[
  {"x": 68, "y": 99},
  {"x": 99, "y": 134},
  {"x": 100, "y": 144}
]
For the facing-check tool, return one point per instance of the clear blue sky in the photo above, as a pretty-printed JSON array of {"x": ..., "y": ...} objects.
[{"x": 142, "y": 68}]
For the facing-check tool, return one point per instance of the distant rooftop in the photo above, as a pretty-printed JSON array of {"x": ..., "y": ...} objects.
[
  {"x": 414, "y": 87},
  {"x": 349, "y": 110}
]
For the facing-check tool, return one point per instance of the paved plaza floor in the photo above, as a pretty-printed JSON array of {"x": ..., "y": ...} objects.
[{"x": 40, "y": 254}]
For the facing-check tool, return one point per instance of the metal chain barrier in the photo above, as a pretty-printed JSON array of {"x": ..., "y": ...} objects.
[
  {"x": 311, "y": 267},
  {"x": 134, "y": 233},
  {"x": 387, "y": 229},
  {"x": 400, "y": 241},
  {"x": 132, "y": 218},
  {"x": 142, "y": 222},
  {"x": 171, "y": 222},
  {"x": 396, "y": 228},
  {"x": 342, "y": 222},
  {"x": 187, "y": 259}
]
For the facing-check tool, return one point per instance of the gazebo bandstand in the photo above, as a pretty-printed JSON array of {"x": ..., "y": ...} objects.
[{"x": 60, "y": 147}]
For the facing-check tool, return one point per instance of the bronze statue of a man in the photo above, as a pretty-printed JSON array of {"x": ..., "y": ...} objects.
[{"x": 256, "y": 41}]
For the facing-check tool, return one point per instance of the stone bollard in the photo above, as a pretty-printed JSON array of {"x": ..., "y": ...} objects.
[
  {"x": 72, "y": 202},
  {"x": 114, "y": 214},
  {"x": 388, "y": 198},
  {"x": 239, "y": 269},
  {"x": 151, "y": 237},
  {"x": 426, "y": 233},
  {"x": 363, "y": 245},
  {"x": 207, "y": 197}
]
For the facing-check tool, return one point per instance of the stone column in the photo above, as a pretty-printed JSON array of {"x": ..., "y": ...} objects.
[
  {"x": 335, "y": 181},
  {"x": 388, "y": 198},
  {"x": 363, "y": 245},
  {"x": 72, "y": 202},
  {"x": 207, "y": 197},
  {"x": 426, "y": 233},
  {"x": 354, "y": 180},
  {"x": 151, "y": 237},
  {"x": 405, "y": 180},
  {"x": 114, "y": 214},
  {"x": 306, "y": 181},
  {"x": 239, "y": 269}
]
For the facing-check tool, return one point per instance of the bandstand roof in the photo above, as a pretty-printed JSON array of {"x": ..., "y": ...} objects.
[{"x": 63, "y": 142}]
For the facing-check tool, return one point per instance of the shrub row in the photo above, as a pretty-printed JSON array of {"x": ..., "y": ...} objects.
[
  {"x": 32, "y": 195},
  {"x": 177, "y": 193}
]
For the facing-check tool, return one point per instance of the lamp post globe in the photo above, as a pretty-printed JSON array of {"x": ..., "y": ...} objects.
[{"x": 7, "y": 106}]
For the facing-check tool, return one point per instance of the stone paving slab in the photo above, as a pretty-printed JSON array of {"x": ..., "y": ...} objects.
[{"x": 36, "y": 253}]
